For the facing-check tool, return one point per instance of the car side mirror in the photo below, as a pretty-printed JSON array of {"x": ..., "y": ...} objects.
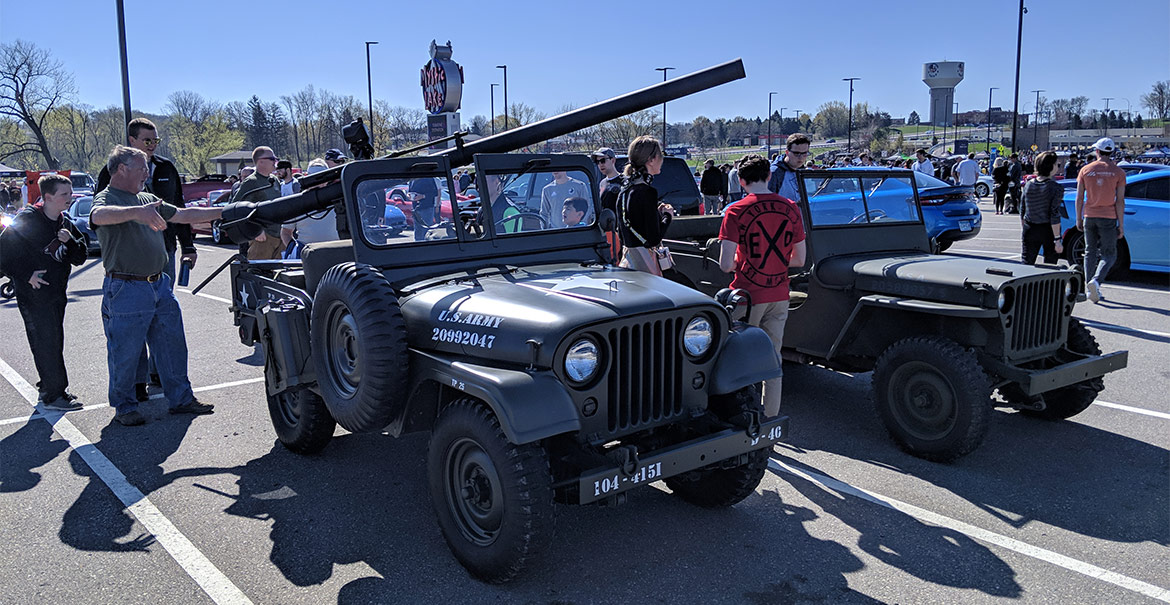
[{"x": 607, "y": 219}]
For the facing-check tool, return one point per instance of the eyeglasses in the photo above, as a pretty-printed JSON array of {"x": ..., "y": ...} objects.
[
  {"x": 268, "y": 158},
  {"x": 600, "y": 160},
  {"x": 150, "y": 141},
  {"x": 797, "y": 153}
]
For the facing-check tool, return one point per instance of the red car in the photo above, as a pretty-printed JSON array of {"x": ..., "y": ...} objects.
[{"x": 399, "y": 198}]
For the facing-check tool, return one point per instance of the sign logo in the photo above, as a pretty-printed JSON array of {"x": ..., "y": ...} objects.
[
  {"x": 441, "y": 80},
  {"x": 932, "y": 70}
]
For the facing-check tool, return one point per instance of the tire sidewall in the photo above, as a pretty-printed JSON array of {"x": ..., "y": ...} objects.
[{"x": 312, "y": 428}]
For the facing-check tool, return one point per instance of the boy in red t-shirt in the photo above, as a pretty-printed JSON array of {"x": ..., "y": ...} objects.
[{"x": 761, "y": 237}]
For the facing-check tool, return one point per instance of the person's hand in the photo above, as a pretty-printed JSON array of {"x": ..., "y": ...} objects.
[
  {"x": 1120, "y": 231},
  {"x": 64, "y": 236},
  {"x": 1059, "y": 246},
  {"x": 189, "y": 257},
  {"x": 37, "y": 279},
  {"x": 148, "y": 215},
  {"x": 262, "y": 237},
  {"x": 1080, "y": 225}
]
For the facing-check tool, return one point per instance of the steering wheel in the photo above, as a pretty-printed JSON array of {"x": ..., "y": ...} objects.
[
  {"x": 544, "y": 223},
  {"x": 872, "y": 215}
]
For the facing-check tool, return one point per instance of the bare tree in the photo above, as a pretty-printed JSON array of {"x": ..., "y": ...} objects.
[
  {"x": 32, "y": 84},
  {"x": 1158, "y": 99}
]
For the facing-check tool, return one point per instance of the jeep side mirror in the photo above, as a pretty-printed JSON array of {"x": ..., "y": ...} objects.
[{"x": 607, "y": 219}]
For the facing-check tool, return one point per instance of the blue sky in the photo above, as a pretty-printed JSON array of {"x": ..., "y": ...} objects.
[{"x": 582, "y": 52}]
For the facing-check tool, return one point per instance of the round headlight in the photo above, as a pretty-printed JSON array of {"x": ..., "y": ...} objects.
[
  {"x": 582, "y": 360},
  {"x": 1002, "y": 300},
  {"x": 1006, "y": 297},
  {"x": 1070, "y": 289},
  {"x": 697, "y": 338}
]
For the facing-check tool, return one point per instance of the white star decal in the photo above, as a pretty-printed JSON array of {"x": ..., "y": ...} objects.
[
  {"x": 244, "y": 295},
  {"x": 585, "y": 282}
]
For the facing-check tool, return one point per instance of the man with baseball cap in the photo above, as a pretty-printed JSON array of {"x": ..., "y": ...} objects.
[
  {"x": 334, "y": 157},
  {"x": 1100, "y": 208}
]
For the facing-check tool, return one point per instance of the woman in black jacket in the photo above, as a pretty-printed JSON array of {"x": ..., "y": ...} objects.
[
  {"x": 999, "y": 174},
  {"x": 642, "y": 217}
]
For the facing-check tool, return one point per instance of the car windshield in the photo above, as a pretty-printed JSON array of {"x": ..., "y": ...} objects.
[
  {"x": 82, "y": 206},
  {"x": 564, "y": 201},
  {"x": 383, "y": 201},
  {"x": 855, "y": 200},
  {"x": 675, "y": 184},
  {"x": 80, "y": 181}
]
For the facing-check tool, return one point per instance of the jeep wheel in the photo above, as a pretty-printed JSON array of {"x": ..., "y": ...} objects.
[
  {"x": 932, "y": 396},
  {"x": 1073, "y": 399},
  {"x": 493, "y": 499},
  {"x": 359, "y": 346},
  {"x": 716, "y": 487},
  {"x": 301, "y": 420}
]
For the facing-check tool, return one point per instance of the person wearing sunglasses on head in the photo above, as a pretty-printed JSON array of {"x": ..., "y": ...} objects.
[
  {"x": 262, "y": 186},
  {"x": 783, "y": 178}
]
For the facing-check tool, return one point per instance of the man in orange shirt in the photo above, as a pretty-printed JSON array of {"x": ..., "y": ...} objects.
[{"x": 1100, "y": 214}]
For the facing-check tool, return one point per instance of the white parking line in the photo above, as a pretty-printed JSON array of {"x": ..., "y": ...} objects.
[
  {"x": 204, "y": 295},
  {"x": 995, "y": 255},
  {"x": 981, "y": 534},
  {"x": 100, "y": 406},
  {"x": 1126, "y": 408},
  {"x": 1116, "y": 328},
  {"x": 195, "y": 563}
]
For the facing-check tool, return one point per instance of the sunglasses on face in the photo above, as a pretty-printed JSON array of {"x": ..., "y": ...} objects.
[
  {"x": 270, "y": 158},
  {"x": 149, "y": 141},
  {"x": 798, "y": 153},
  {"x": 600, "y": 160}
]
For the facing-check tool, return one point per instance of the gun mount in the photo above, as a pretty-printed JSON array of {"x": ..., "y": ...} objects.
[{"x": 244, "y": 221}]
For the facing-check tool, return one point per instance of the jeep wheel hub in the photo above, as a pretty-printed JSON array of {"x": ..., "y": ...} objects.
[
  {"x": 474, "y": 493},
  {"x": 923, "y": 401}
]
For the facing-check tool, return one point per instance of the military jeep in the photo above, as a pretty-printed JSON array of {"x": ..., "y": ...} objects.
[
  {"x": 940, "y": 333},
  {"x": 543, "y": 372}
]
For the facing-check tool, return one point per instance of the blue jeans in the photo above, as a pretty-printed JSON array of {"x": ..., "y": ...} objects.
[
  {"x": 1100, "y": 247},
  {"x": 424, "y": 219},
  {"x": 169, "y": 269},
  {"x": 135, "y": 314}
]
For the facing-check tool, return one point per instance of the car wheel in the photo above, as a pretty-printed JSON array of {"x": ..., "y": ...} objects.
[
  {"x": 1073, "y": 399},
  {"x": 359, "y": 347},
  {"x": 217, "y": 234},
  {"x": 982, "y": 190},
  {"x": 717, "y": 487},
  {"x": 7, "y": 290},
  {"x": 1074, "y": 252},
  {"x": 933, "y": 397},
  {"x": 493, "y": 499},
  {"x": 301, "y": 420}
]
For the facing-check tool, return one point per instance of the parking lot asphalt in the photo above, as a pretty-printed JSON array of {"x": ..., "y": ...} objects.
[{"x": 212, "y": 509}]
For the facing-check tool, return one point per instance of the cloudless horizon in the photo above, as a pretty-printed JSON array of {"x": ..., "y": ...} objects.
[{"x": 578, "y": 54}]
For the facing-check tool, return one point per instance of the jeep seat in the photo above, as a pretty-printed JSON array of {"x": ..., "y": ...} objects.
[{"x": 318, "y": 258}]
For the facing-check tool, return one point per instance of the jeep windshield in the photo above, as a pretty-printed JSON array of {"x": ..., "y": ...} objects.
[
  {"x": 854, "y": 200},
  {"x": 537, "y": 200}
]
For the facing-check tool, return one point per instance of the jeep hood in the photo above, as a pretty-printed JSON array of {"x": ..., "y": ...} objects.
[{"x": 496, "y": 316}]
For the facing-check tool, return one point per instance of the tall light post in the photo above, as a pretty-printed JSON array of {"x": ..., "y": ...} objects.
[
  {"x": 370, "y": 89},
  {"x": 1036, "y": 126},
  {"x": 955, "y": 122},
  {"x": 505, "y": 68},
  {"x": 1106, "y": 114},
  {"x": 1016, "y": 102},
  {"x": 768, "y": 153},
  {"x": 1128, "y": 115},
  {"x": 125, "y": 69},
  {"x": 989, "y": 91},
  {"x": 493, "y": 119},
  {"x": 663, "y": 70},
  {"x": 849, "y": 144}
]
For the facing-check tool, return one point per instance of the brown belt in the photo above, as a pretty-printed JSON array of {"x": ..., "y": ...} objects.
[{"x": 132, "y": 277}]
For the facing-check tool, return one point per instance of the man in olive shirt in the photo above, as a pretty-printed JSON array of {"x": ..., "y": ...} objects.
[
  {"x": 262, "y": 186},
  {"x": 138, "y": 305}
]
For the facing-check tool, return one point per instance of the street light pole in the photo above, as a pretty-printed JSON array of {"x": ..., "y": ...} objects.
[
  {"x": 663, "y": 70},
  {"x": 768, "y": 152},
  {"x": 125, "y": 68},
  {"x": 505, "y": 68},
  {"x": 1036, "y": 126},
  {"x": 370, "y": 89},
  {"x": 955, "y": 123},
  {"x": 849, "y": 144},
  {"x": 493, "y": 119},
  {"x": 1106, "y": 114},
  {"x": 1129, "y": 115},
  {"x": 1016, "y": 102},
  {"x": 989, "y": 91}
]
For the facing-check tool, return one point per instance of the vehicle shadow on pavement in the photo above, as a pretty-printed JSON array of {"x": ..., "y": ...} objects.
[
  {"x": 98, "y": 522},
  {"x": 1027, "y": 470},
  {"x": 30, "y": 447},
  {"x": 365, "y": 499}
]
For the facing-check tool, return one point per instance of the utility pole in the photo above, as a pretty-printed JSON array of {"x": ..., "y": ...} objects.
[
  {"x": 989, "y": 91},
  {"x": 125, "y": 69},
  {"x": 370, "y": 90},
  {"x": 663, "y": 70},
  {"x": 505, "y": 68},
  {"x": 1036, "y": 126},
  {"x": 1016, "y": 103},
  {"x": 849, "y": 144},
  {"x": 493, "y": 119},
  {"x": 1105, "y": 115},
  {"x": 768, "y": 153}
]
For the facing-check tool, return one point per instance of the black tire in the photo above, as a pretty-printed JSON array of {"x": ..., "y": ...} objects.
[
  {"x": 715, "y": 487},
  {"x": 7, "y": 290},
  {"x": 1074, "y": 252},
  {"x": 933, "y": 397},
  {"x": 944, "y": 244},
  {"x": 217, "y": 234},
  {"x": 493, "y": 499},
  {"x": 301, "y": 420},
  {"x": 1069, "y": 401},
  {"x": 359, "y": 346}
]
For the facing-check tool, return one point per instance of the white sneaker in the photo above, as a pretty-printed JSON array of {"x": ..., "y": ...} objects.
[{"x": 1094, "y": 290}]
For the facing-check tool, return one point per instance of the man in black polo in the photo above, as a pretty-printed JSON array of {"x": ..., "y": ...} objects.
[{"x": 138, "y": 305}]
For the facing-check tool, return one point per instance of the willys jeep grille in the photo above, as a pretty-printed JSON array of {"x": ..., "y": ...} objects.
[
  {"x": 1039, "y": 316},
  {"x": 645, "y": 379}
]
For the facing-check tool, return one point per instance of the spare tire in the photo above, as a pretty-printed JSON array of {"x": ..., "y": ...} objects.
[{"x": 359, "y": 346}]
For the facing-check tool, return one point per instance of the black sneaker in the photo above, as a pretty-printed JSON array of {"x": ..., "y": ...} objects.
[
  {"x": 131, "y": 418},
  {"x": 140, "y": 392},
  {"x": 63, "y": 404},
  {"x": 193, "y": 407}
]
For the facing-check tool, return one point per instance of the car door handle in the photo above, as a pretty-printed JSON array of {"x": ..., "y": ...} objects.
[{"x": 1131, "y": 211}]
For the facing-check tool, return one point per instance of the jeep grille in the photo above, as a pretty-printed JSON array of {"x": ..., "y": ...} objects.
[
  {"x": 1039, "y": 312},
  {"x": 645, "y": 379}
]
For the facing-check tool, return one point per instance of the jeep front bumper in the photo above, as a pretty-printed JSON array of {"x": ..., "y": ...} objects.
[
  {"x": 1035, "y": 382},
  {"x": 601, "y": 483}
]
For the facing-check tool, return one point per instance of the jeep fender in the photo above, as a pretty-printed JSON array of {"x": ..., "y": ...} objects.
[
  {"x": 530, "y": 406},
  {"x": 747, "y": 357},
  {"x": 857, "y": 319}
]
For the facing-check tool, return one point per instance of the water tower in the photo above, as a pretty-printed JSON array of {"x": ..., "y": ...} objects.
[{"x": 942, "y": 77}]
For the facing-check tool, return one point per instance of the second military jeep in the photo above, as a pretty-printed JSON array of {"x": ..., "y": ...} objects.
[{"x": 940, "y": 333}]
